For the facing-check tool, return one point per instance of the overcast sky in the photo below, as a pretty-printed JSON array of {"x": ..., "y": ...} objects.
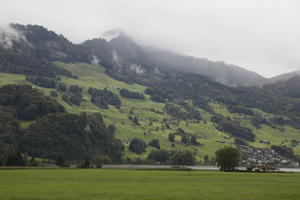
[{"x": 259, "y": 35}]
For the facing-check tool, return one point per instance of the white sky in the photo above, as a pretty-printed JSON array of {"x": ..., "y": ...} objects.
[{"x": 259, "y": 35}]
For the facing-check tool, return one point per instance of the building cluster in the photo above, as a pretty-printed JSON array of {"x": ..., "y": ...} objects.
[{"x": 251, "y": 156}]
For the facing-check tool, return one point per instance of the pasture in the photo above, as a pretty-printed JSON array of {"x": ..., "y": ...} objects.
[{"x": 116, "y": 184}]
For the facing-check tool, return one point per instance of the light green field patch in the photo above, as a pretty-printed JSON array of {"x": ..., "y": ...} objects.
[
  {"x": 8, "y": 78},
  {"x": 275, "y": 136},
  {"x": 98, "y": 184},
  {"x": 94, "y": 76}
]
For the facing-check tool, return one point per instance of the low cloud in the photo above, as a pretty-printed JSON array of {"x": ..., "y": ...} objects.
[
  {"x": 8, "y": 36},
  {"x": 259, "y": 35}
]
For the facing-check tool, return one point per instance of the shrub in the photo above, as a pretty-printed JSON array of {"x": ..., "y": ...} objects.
[
  {"x": 137, "y": 146},
  {"x": 182, "y": 158},
  {"x": 159, "y": 155},
  {"x": 171, "y": 137},
  {"x": 129, "y": 94},
  {"x": 154, "y": 143}
]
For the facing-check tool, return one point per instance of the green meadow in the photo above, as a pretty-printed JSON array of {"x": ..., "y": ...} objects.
[{"x": 112, "y": 184}]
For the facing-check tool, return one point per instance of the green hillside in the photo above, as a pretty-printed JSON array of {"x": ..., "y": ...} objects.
[{"x": 152, "y": 116}]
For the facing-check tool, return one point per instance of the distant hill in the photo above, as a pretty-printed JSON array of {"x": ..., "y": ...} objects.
[
  {"x": 39, "y": 47},
  {"x": 34, "y": 50},
  {"x": 286, "y": 85},
  {"x": 147, "y": 59},
  {"x": 284, "y": 77}
]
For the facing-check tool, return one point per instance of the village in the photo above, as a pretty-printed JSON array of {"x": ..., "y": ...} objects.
[{"x": 251, "y": 156}]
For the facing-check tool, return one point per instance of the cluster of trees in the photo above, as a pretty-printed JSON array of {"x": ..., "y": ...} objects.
[
  {"x": 217, "y": 118},
  {"x": 42, "y": 81},
  {"x": 129, "y": 94},
  {"x": 28, "y": 103},
  {"x": 187, "y": 113},
  {"x": 19, "y": 159},
  {"x": 285, "y": 151},
  {"x": 22, "y": 60},
  {"x": 76, "y": 137},
  {"x": 236, "y": 130},
  {"x": 172, "y": 157},
  {"x": 177, "y": 87},
  {"x": 185, "y": 139},
  {"x": 137, "y": 146},
  {"x": 274, "y": 122},
  {"x": 180, "y": 86},
  {"x": 233, "y": 127},
  {"x": 289, "y": 88},
  {"x": 258, "y": 120},
  {"x": 192, "y": 112},
  {"x": 156, "y": 111},
  {"x": 154, "y": 143},
  {"x": 53, "y": 132},
  {"x": 239, "y": 141},
  {"x": 135, "y": 120},
  {"x": 175, "y": 111},
  {"x": 103, "y": 98},
  {"x": 73, "y": 137},
  {"x": 71, "y": 94},
  {"x": 189, "y": 140},
  {"x": 240, "y": 109}
]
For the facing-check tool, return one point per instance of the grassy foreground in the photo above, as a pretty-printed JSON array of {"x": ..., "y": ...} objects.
[{"x": 140, "y": 184}]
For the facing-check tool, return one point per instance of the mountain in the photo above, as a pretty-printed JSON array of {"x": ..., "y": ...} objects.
[
  {"x": 147, "y": 59},
  {"x": 218, "y": 71},
  {"x": 148, "y": 100},
  {"x": 33, "y": 51},
  {"x": 284, "y": 77},
  {"x": 41, "y": 47},
  {"x": 286, "y": 85}
]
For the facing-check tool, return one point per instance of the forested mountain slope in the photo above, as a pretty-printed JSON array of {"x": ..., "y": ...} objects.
[{"x": 149, "y": 101}]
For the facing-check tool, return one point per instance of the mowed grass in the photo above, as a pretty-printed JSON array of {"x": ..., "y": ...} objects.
[{"x": 109, "y": 184}]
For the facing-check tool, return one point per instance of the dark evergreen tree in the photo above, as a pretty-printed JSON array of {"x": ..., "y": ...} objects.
[
  {"x": 182, "y": 158},
  {"x": 159, "y": 155},
  {"x": 137, "y": 146},
  {"x": 185, "y": 139},
  {"x": 129, "y": 94},
  {"x": 154, "y": 143},
  {"x": 171, "y": 137}
]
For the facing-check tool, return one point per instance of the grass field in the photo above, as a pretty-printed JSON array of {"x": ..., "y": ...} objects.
[{"x": 68, "y": 184}]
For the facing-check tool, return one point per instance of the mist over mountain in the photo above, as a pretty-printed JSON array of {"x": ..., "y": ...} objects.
[
  {"x": 286, "y": 85},
  {"x": 284, "y": 77},
  {"x": 147, "y": 59},
  {"x": 118, "y": 77},
  {"x": 120, "y": 53}
]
